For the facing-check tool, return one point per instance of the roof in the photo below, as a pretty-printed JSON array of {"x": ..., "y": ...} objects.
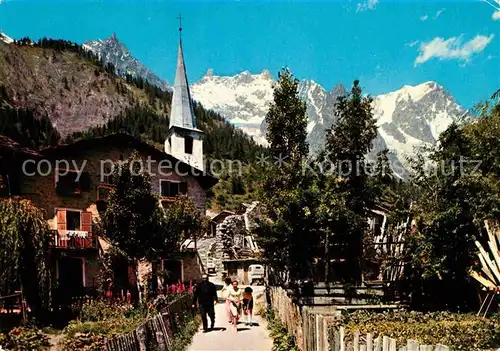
[
  {"x": 243, "y": 260},
  {"x": 205, "y": 178},
  {"x": 182, "y": 112},
  {"x": 7, "y": 143},
  {"x": 224, "y": 213}
]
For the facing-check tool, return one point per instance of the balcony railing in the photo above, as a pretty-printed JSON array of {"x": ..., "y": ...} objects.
[{"x": 64, "y": 241}]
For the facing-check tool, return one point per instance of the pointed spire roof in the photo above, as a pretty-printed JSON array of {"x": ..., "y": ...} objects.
[{"x": 182, "y": 112}]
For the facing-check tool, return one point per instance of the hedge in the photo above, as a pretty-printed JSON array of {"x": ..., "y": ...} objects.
[{"x": 458, "y": 331}]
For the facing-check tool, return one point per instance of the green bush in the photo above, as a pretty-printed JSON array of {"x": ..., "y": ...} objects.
[
  {"x": 458, "y": 331},
  {"x": 85, "y": 342},
  {"x": 99, "y": 321},
  {"x": 282, "y": 340},
  {"x": 183, "y": 339},
  {"x": 95, "y": 311},
  {"x": 27, "y": 339}
]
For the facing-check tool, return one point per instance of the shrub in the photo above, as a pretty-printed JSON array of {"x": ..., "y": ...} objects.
[
  {"x": 458, "y": 331},
  {"x": 182, "y": 339},
  {"x": 85, "y": 342},
  {"x": 282, "y": 340},
  {"x": 95, "y": 311},
  {"x": 27, "y": 339}
]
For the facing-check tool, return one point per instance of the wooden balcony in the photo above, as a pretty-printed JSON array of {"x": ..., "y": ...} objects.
[{"x": 62, "y": 240}]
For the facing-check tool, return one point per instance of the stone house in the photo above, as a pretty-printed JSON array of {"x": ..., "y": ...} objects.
[{"x": 73, "y": 204}]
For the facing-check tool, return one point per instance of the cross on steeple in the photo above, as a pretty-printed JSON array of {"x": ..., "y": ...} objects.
[{"x": 180, "y": 23}]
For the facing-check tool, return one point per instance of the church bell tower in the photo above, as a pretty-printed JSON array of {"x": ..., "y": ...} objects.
[{"x": 184, "y": 140}]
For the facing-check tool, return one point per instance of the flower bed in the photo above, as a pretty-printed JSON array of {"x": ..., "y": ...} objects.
[
  {"x": 24, "y": 339},
  {"x": 458, "y": 331}
]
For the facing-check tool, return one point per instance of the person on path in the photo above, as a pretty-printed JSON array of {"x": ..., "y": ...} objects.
[
  {"x": 248, "y": 305},
  {"x": 205, "y": 295},
  {"x": 235, "y": 296},
  {"x": 225, "y": 292}
]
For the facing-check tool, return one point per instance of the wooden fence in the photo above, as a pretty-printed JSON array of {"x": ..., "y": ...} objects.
[
  {"x": 156, "y": 333},
  {"x": 308, "y": 325},
  {"x": 381, "y": 343}
]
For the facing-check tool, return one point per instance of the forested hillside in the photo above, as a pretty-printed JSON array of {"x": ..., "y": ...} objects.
[{"x": 59, "y": 81}]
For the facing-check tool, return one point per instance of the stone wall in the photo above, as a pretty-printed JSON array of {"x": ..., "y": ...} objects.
[{"x": 231, "y": 235}]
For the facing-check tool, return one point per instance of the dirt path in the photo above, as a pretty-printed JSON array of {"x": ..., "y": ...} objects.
[{"x": 223, "y": 337}]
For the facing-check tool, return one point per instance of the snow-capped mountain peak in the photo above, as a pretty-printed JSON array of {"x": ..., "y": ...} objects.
[
  {"x": 113, "y": 51},
  {"x": 409, "y": 117}
]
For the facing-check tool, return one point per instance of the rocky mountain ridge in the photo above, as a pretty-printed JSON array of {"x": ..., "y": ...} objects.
[
  {"x": 408, "y": 118},
  {"x": 113, "y": 51}
]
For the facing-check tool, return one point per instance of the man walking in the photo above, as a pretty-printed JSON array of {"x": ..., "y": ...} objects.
[{"x": 205, "y": 295}]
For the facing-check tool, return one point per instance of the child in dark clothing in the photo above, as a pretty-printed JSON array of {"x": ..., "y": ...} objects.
[{"x": 248, "y": 305}]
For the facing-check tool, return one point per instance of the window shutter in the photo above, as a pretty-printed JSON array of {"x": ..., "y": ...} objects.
[
  {"x": 61, "y": 219},
  {"x": 86, "y": 222},
  {"x": 183, "y": 188}
]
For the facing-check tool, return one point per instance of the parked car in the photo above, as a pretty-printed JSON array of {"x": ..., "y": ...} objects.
[
  {"x": 210, "y": 266},
  {"x": 256, "y": 274}
]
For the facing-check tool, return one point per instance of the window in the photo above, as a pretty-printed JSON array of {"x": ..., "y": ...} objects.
[
  {"x": 171, "y": 189},
  {"x": 73, "y": 220},
  {"x": 188, "y": 145},
  {"x": 71, "y": 183},
  {"x": 107, "y": 176},
  {"x": 68, "y": 184}
]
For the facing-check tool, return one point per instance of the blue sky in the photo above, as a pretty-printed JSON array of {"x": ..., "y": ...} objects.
[{"x": 386, "y": 44}]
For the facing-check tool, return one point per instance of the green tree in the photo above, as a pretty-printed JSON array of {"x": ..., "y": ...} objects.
[
  {"x": 457, "y": 191},
  {"x": 286, "y": 120},
  {"x": 25, "y": 239},
  {"x": 289, "y": 238},
  {"x": 184, "y": 221},
  {"x": 134, "y": 220},
  {"x": 348, "y": 192}
]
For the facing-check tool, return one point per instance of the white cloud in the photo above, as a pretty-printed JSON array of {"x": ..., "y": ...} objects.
[
  {"x": 496, "y": 15},
  {"x": 366, "y": 5},
  {"x": 426, "y": 17},
  {"x": 438, "y": 13},
  {"x": 413, "y": 43},
  {"x": 452, "y": 48}
]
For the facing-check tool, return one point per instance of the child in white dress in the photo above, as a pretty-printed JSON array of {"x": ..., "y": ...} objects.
[{"x": 235, "y": 297}]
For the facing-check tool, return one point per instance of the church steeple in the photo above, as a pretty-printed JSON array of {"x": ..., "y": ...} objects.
[
  {"x": 184, "y": 140},
  {"x": 182, "y": 112}
]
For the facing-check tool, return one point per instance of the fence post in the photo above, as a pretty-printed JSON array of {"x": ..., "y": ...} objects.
[
  {"x": 356, "y": 340},
  {"x": 369, "y": 342},
  {"x": 326, "y": 336},
  {"x": 392, "y": 344},
  {"x": 378, "y": 344},
  {"x": 342, "y": 335},
  {"x": 440, "y": 347},
  {"x": 413, "y": 345},
  {"x": 385, "y": 343}
]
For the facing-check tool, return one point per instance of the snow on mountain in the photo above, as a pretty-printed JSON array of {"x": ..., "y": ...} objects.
[
  {"x": 408, "y": 118},
  {"x": 243, "y": 99},
  {"x": 113, "y": 51},
  {"x": 5, "y": 38}
]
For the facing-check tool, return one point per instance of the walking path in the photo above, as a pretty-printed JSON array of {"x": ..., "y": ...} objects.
[{"x": 223, "y": 337}]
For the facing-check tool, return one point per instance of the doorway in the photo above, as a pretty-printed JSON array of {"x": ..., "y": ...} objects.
[{"x": 71, "y": 275}]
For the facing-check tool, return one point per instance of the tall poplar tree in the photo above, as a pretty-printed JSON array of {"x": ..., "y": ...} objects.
[
  {"x": 348, "y": 142},
  {"x": 289, "y": 238}
]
